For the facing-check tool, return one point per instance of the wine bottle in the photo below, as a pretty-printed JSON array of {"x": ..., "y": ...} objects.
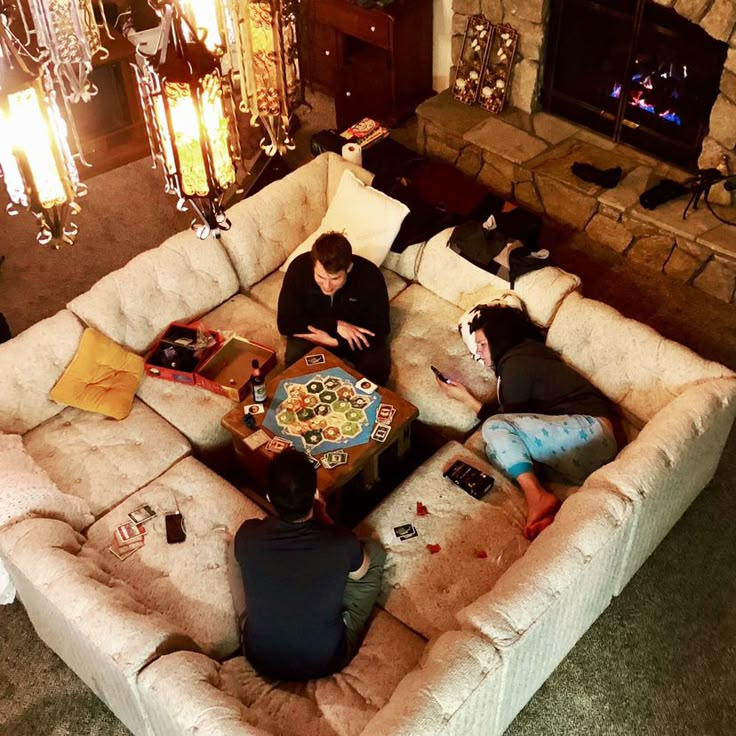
[{"x": 258, "y": 383}]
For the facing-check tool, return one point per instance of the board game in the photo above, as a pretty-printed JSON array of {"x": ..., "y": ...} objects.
[{"x": 322, "y": 412}]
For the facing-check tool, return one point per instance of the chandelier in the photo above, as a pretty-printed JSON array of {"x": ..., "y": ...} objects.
[
  {"x": 68, "y": 30},
  {"x": 190, "y": 117},
  {"x": 258, "y": 41},
  {"x": 35, "y": 161}
]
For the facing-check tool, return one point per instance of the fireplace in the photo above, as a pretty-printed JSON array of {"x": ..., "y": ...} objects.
[{"x": 635, "y": 71}]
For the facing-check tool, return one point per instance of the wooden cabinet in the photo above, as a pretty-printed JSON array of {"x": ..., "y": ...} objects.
[{"x": 375, "y": 63}]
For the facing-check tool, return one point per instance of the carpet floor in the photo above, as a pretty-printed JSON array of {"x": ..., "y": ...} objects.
[{"x": 660, "y": 661}]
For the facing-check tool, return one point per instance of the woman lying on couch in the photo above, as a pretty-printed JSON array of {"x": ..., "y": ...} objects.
[{"x": 549, "y": 414}]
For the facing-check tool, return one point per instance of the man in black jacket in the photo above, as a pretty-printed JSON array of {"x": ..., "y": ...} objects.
[{"x": 332, "y": 298}]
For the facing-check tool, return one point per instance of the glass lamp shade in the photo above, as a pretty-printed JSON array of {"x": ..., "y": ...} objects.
[
  {"x": 207, "y": 21},
  {"x": 269, "y": 66},
  {"x": 191, "y": 126},
  {"x": 69, "y": 31},
  {"x": 37, "y": 166}
]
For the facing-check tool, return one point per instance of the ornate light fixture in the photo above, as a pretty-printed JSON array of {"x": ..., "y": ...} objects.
[
  {"x": 69, "y": 31},
  {"x": 190, "y": 118},
  {"x": 35, "y": 161},
  {"x": 258, "y": 39}
]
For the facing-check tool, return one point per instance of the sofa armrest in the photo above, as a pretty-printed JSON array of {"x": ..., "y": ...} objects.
[
  {"x": 547, "y": 599},
  {"x": 92, "y": 620},
  {"x": 457, "y": 689}
]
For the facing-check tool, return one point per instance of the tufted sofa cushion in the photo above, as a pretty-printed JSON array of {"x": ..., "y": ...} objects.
[
  {"x": 633, "y": 365},
  {"x": 30, "y": 365},
  {"x": 104, "y": 461},
  {"x": 187, "y": 693},
  {"x": 425, "y": 590},
  {"x": 424, "y": 332},
  {"x": 92, "y": 620},
  {"x": 180, "y": 280},
  {"x": 269, "y": 225},
  {"x": 188, "y": 583}
]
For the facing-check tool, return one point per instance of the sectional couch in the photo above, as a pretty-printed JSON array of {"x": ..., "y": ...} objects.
[{"x": 463, "y": 637}]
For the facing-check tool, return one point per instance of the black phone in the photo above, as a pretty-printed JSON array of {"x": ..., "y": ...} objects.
[
  {"x": 175, "y": 529},
  {"x": 470, "y": 479},
  {"x": 440, "y": 374}
]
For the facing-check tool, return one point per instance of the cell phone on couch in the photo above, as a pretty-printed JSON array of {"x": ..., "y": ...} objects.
[
  {"x": 175, "y": 528},
  {"x": 470, "y": 479}
]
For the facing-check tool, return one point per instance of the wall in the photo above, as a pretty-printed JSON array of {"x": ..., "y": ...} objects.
[{"x": 442, "y": 44}]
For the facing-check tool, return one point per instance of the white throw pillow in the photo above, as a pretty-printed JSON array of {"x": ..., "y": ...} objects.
[
  {"x": 26, "y": 490},
  {"x": 369, "y": 219},
  {"x": 509, "y": 298}
]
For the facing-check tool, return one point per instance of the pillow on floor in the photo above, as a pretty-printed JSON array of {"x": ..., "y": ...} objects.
[
  {"x": 509, "y": 298},
  {"x": 102, "y": 377},
  {"x": 26, "y": 490},
  {"x": 369, "y": 219}
]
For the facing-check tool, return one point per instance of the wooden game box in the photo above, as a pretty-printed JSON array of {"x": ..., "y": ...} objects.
[
  {"x": 179, "y": 334},
  {"x": 227, "y": 371}
]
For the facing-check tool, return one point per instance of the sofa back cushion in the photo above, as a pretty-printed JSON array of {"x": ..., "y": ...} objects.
[
  {"x": 633, "y": 365},
  {"x": 181, "y": 279},
  {"x": 457, "y": 280},
  {"x": 30, "y": 364},
  {"x": 269, "y": 225}
]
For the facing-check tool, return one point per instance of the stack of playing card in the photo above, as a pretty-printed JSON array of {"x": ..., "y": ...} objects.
[
  {"x": 131, "y": 536},
  {"x": 128, "y": 538},
  {"x": 381, "y": 432},
  {"x": 386, "y": 413},
  {"x": 333, "y": 459},
  {"x": 277, "y": 445}
]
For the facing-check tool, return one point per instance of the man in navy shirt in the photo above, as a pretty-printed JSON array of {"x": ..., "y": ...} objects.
[
  {"x": 310, "y": 586},
  {"x": 333, "y": 298}
]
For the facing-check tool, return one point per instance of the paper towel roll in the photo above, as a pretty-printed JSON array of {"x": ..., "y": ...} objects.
[{"x": 353, "y": 153}]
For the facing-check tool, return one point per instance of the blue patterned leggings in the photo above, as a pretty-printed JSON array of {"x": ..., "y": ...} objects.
[{"x": 573, "y": 445}]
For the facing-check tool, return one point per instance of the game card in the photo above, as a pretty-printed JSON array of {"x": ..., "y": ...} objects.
[
  {"x": 315, "y": 462},
  {"x": 128, "y": 530},
  {"x": 405, "y": 531},
  {"x": 142, "y": 514},
  {"x": 315, "y": 359},
  {"x": 277, "y": 445},
  {"x": 253, "y": 409},
  {"x": 127, "y": 550},
  {"x": 380, "y": 432},
  {"x": 333, "y": 459},
  {"x": 366, "y": 386},
  {"x": 258, "y": 438},
  {"x": 386, "y": 413}
]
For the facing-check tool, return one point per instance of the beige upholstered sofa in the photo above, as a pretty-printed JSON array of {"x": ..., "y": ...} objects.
[{"x": 463, "y": 637}]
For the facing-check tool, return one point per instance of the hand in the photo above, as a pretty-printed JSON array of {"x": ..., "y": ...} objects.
[
  {"x": 355, "y": 336},
  {"x": 319, "y": 337},
  {"x": 460, "y": 393}
]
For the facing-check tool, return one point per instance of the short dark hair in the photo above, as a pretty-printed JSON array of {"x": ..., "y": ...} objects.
[
  {"x": 333, "y": 251},
  {"x": 504, "y": 328},
  {"x": 292, "y": 481}
]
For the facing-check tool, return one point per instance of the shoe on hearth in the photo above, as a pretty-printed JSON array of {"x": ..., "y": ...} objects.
[{"x": 607, "y": 178}]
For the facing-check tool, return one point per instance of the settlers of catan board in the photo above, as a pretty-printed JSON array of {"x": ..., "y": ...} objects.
[{"x": 322, "y": 412}]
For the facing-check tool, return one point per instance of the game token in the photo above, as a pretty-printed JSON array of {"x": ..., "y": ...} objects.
[
  {"x": 405, "y": 531},
  {"x": 366, "y": 386},
  {"x": 422, "y": 510},
  {"x": 315, "y": 359},
  {"x": 434, "y": 548}
]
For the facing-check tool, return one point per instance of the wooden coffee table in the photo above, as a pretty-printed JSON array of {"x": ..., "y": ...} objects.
[{"x": 362, "y": 458}]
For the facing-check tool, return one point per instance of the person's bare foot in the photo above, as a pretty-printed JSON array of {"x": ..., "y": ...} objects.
[{"x": 541, "y": 505}]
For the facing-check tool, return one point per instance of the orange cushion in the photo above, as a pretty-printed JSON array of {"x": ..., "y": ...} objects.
[{"x": 102, "y": 377}]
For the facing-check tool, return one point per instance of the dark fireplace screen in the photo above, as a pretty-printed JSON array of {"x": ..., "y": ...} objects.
[{"x": 635, "y": 71}]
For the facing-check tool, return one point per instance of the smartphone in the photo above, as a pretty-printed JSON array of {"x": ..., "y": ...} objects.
[
  {"x": 470, "y": 479},
  {"x": 175, "y": 529},
  {"x": 440, "y": 375}
]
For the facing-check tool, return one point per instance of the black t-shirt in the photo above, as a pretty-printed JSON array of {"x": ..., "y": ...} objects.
[
  {"x": 533, "y": 379},
  {"x": 294, "y": 577}
]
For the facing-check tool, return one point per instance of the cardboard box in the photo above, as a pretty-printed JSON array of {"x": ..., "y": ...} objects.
[
  {"x": 178, "y": 337},
  {"x": 227, "y": 371}
]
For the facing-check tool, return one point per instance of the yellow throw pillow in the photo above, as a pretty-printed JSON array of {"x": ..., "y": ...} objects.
[{"x": 102, "y": 377}]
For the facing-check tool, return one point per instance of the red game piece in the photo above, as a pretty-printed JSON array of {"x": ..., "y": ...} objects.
[
  {"x": 422, "y": 510},
  {"x": 481, "y": 554},
  {"x": 434, "y": 548}
]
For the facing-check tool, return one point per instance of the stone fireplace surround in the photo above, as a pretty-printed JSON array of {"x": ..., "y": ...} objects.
[{"x": 526, "y": 155}]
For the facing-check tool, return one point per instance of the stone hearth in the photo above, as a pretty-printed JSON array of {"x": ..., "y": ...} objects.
[
  {"x": 530, "y": 18},
  {"x": 527, "y": 157}
]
